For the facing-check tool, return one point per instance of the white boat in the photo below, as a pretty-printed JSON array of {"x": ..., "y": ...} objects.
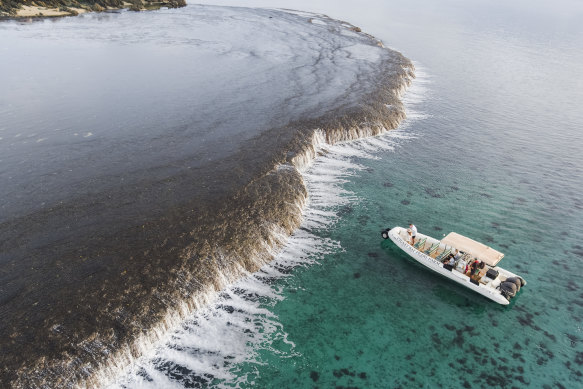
[{"x": 492, "y": 281}]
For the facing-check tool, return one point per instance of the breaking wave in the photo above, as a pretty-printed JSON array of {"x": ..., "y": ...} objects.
[
  {"x": 208, "y": 348},
  {"x": 211, "y": 274}
]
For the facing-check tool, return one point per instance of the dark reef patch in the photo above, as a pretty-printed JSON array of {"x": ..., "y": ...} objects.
[
  {"x": 315, "y": 376},
  {"x": 363, "y": 220},
  {"x": 492, "y": 380},
  {"x": 550, "y": 336},
  {"x": 577, "y": 250},
  {"x": 574, "y": 339},
  {"x": 343, "y": 372},
  {"x": 345, "y": 210},
  {"x": 432, "y": 192},
  {"x": 523, "y": 380},
  {"x": 526, "y": 320},
  {"x": 458, "y": 341},
  {"x": 436, "y": 339}
]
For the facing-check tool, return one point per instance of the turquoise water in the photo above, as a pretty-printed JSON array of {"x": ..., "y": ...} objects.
[
  {"x": 492, "y": 151},
  {"x": 370, "y": 317},
  {"x": 370, "y": 312},
  {"x": 496, "y": 158}
]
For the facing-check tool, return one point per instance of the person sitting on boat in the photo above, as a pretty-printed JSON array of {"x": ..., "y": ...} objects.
[
  {"x": 473, "y": 267},
  {"x": 476, "y": 272},
  {"x": 447, "y": 259},
  {"x": 413, "y": 232},
  {"x": 452, "y": 257},
  {"x": 462, "y": 266}
]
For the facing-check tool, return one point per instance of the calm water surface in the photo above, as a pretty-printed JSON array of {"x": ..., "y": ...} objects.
[{"x": 491, "y": 150}]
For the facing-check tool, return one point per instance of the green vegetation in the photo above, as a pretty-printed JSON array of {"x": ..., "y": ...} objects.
[{"x": 9, "y": 8}]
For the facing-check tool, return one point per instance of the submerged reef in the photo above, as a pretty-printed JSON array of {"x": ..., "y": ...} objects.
[{"x": 106, "y": 276}]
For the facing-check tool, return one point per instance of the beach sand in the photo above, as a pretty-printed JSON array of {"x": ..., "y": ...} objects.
[{"x": 28, "y": 11}]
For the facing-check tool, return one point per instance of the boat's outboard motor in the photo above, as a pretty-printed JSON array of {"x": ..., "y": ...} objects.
[
  {"x": 385, "y": 233},
  {"x": 508, "y": 289},
  {"x": 516, "y": 281}
]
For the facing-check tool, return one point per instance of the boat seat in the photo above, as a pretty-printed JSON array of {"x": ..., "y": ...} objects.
[
  {"x": 461, "y": 265},
  {"x": 444, "y": 254},
  {"x": 432, "y": 249},
  {"x": 423, "y": 247},
  {"x": 420, "y": 244}
]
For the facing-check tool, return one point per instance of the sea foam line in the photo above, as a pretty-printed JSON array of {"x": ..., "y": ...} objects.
[
  {"x": 238, "y": 323},
  {"x": 210, "y": 347}
]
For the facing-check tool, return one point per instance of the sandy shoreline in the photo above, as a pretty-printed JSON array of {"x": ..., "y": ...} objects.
[{"x": 28, "y": 11}]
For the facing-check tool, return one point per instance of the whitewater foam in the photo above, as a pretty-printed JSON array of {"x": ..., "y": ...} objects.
[
  {"x": 234, "y": 329},
  {"x": 238, "y": 323}
]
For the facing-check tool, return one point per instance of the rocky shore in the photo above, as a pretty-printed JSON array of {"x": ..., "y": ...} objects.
[{"x": 54, "y": 8}]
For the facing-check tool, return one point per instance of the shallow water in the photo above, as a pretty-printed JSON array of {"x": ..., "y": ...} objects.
[{"x": 490, "y": 151}]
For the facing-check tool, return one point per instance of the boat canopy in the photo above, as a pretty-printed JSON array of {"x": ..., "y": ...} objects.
[{"x": 478, "y": 250}]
